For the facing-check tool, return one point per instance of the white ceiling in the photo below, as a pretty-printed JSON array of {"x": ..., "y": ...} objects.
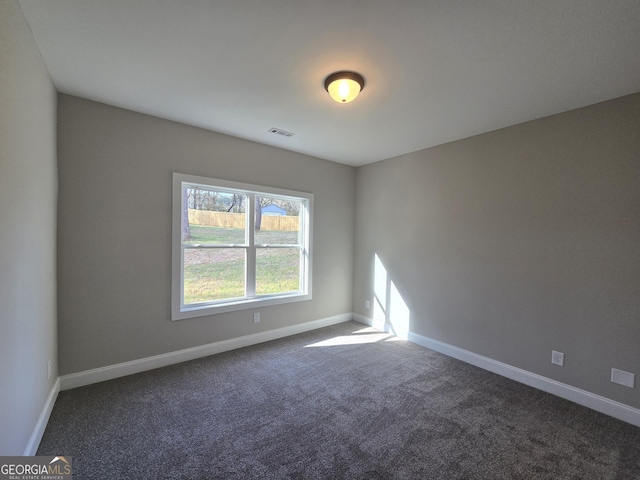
[{"x": 436, "y": 70}]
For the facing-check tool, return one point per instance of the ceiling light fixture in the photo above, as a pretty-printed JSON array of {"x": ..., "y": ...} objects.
[{"x": 344, "y": 86}]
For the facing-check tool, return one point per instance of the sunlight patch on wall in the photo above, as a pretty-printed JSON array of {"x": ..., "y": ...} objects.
[
  {"x": 399, "y": 313},
  {"x": 390, "y": 311},
  {"x": 379, "y": 290}
]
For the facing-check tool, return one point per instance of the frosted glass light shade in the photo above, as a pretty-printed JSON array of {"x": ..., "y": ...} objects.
[{"x": 344, "y": 87}]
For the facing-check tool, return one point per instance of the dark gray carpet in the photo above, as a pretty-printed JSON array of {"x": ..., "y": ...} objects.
[{"x": 376, "y": 410}]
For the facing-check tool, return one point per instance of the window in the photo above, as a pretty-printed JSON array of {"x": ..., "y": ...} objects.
[{"x": 237, "y": 246}]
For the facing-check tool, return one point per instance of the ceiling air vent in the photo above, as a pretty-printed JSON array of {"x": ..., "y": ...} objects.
[{"x": 282, "y": 133}]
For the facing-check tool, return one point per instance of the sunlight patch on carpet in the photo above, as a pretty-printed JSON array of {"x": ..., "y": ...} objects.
[{"x": 352, "y": 340}]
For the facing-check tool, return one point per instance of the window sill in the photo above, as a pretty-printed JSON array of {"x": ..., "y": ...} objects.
[{"x": 244, "y": 304}]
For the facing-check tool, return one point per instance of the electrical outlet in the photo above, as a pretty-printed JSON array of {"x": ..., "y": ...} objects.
[
  {"x": 256, "y": 317},
  {"x": 49, "y": 370},
  {"x": 623, "y": 378},
  {"x": 367, "y": 304},
  {"x": 557, "y": 358}
]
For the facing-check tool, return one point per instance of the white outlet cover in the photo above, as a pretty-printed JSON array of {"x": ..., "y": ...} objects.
[
  {"x": 557, "y": 358},
  {"x": 256, "y": 317},
  {"x": 623, "y": 378}
]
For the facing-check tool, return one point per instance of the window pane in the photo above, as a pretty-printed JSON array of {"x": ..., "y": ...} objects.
[
  {"x": 213, "y": 217},
  {"x": 277, "y": 221},
  {"x": 213, "y": 274},
  {"x": 277, "y": 270}
]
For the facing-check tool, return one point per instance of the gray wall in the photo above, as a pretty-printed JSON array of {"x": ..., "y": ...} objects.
[
  {"x": 114, "y": 232},
  {"x": 516, "y": 242},
  {"x": 28, "y": 192}
]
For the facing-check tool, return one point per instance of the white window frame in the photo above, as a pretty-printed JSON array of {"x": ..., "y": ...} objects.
[{"x": 251, "y": 300}]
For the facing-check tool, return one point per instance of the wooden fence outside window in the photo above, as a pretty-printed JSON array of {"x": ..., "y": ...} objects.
[{"x": 237, "y": 220}]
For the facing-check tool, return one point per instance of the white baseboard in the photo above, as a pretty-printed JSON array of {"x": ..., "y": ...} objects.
[
  {"x": 43, "y": 419},
  {"x": 149, "y": 363},
  {"x": 582, "y": 397},
  {"x": 372, "y": 322}
]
